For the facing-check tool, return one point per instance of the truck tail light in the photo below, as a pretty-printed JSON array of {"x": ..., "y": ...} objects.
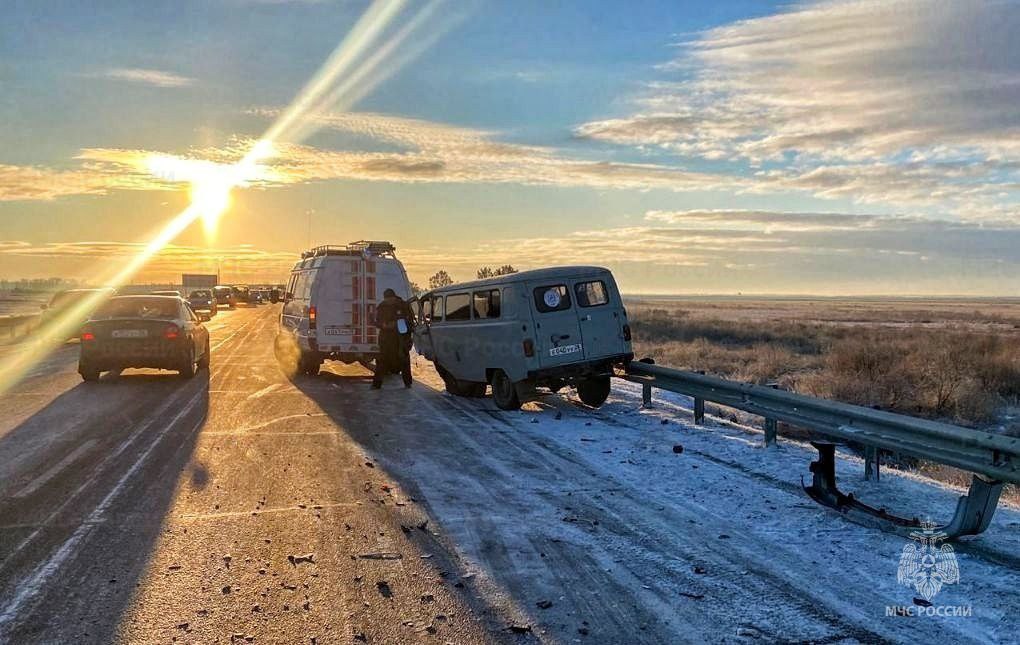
[
  {"x": 626, "y": 332},
  {"x": 311, "y": 317},
  {"x": 529, "y": 347},
  {"x": 87, "y": 336},
  {"x": 171, "y": 332}
]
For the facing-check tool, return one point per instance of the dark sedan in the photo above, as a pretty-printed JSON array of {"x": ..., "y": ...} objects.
[{"x": 144, "y": 331}]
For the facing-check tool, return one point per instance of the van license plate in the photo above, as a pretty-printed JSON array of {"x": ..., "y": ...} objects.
[
  {"x": 130, "y": 333},
  {"x": 339, "y": 331},
  {"x": 566, "y": 349}
]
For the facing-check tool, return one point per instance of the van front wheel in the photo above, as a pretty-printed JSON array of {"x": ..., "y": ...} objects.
[
  {"x": 594, "y": 390},
  {"x": 504, "y": 394}
]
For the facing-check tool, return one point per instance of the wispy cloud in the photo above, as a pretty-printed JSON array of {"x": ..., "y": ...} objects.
[
  {"x": 155, "y": 77},
  {"x": 903, "y": 101}
]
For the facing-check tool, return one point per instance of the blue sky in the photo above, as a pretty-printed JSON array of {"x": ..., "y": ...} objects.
[{"x": 692, "y": 147}]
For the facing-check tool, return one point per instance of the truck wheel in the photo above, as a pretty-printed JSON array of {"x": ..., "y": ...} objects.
[
  {"x": 88, "y": 374},
  {"x": 504, "y": 394},
  {"x": 594, "y": 390}
]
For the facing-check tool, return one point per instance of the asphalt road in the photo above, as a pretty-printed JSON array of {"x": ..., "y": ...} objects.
[{"x": 244, "y": 506}]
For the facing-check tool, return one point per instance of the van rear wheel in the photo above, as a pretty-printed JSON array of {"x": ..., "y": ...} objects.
[
  {"x": 504, "y": 394},
  {"x": 594, "y": 390},
  {"x": 309, "y": 363}
]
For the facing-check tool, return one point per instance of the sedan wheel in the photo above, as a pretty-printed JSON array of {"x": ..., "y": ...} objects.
[{"x": 187, "y": 369}]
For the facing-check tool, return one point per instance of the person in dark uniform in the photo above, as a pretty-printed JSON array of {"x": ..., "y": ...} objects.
[{"x": 393, "y": 318}]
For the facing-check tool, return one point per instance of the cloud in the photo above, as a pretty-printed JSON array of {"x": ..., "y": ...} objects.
[
  {"x": 154, "y": 77},
  {"x": 877, "y": 100},
  {"x": 435, "y": 152}
]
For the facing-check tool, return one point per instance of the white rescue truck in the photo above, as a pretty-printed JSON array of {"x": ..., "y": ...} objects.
[{"x": 329, "y": 304}]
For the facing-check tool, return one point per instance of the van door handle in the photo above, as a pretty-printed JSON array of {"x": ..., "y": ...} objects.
[{"x": 563, "y": 337}]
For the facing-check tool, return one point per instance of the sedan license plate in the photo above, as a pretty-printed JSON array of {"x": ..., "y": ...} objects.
[{"x": 130, "y": 333}]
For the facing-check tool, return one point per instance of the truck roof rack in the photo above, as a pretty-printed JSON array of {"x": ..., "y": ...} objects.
[{"x": 361, "y": 247}]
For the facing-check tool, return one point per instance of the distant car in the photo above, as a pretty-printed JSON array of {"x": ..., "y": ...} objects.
[
  {"x": 144, "y": 331},
  {"x": 255, "y": 297},
  {"x": 78, "y": 303},
  {"x": 242, "y": 294},
  {"x": 203, "y": 300},
  {"x": 175, "y": 294},
  {"x": 224, "y": 296}
]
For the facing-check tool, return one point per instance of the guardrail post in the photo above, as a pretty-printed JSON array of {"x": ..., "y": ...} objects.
[
  {"x": 871, "y": 463},
  {"x": 646, "y": 395},
  {"x": 770, "y": 432},
  {"x": 699, "y": 411}
]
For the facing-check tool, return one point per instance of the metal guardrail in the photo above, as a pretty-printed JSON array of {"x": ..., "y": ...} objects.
[
  {"x": 992, "y": 459},
  {"x": 12, "y": 327}
]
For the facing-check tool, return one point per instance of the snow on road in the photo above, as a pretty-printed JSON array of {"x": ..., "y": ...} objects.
[{"x": 701, "y": 531}]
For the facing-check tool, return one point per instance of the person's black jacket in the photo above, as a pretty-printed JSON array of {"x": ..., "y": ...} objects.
[{"x": 389, "y": 311}]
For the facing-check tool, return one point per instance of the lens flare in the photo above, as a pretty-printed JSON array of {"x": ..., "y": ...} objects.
[{"x": 211, "y": 183}]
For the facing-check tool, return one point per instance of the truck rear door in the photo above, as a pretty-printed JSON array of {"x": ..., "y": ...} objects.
[
  {"x": 600, "y": 311},
  {"x": 557, "y": 331}
]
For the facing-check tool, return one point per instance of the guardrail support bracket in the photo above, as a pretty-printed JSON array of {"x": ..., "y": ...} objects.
[
  {"x": 646, "y": 395},
  {"x": 699, "y": 411},
  {"x": 871, "y": 463},
  {"x": 771, "y": 426}
]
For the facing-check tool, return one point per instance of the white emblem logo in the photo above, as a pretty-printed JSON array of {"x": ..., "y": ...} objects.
[
  {"x": 926, "y": 566},
  {"x": 552, "y": 298}
]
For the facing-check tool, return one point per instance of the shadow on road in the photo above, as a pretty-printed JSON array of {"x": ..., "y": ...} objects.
[{"x": 88, "y": 482}]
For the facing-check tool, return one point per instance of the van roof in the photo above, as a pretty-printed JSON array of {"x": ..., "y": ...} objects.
[{"x": 548, "y": 273}]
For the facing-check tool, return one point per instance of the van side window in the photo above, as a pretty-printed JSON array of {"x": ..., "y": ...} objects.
[
  {"x": 426, "y": 309},
  {"x": 591, "y": 294},
  {"x": 486, "y": 304},
  {"x": 458, "y": 306},
  {"x": 290, "y": 288},
  {"x": 554, "y": 297},
  {"x": 437, "y": 308}
]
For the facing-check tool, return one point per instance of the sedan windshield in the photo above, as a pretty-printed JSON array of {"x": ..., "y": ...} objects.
[
  {"x": 200, "y": 293},
  {"x": 148, "y": 308}
]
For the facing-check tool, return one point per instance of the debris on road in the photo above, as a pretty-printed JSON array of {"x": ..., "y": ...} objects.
[
  {"x": 384, "y": 589},
  {"x": 385, "y": 555},
  {"x": 299, "y": 559},
  {"x": 544, "y": 604},
  {"x": 678, "y": 449}
]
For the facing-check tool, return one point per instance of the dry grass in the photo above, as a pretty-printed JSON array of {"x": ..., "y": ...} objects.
[{"x": 950, "y": 361}]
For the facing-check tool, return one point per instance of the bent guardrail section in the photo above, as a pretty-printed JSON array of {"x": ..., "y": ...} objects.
[{"x": 992, "y": 459}]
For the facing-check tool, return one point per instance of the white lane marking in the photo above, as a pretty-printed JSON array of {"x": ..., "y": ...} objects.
[
  {"x": 241, "y": 433},
  {"x": 264, "y": 391},
  {"x": 275, "y": 509},
  {"x": 53, "y": 470},
  {"x": 39, "y": 576},
  {"x": 31, "y": 587},
  {"x": 259, "y": 426}
]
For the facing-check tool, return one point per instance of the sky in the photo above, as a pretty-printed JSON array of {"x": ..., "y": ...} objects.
[{"x": 829, "y": 148}]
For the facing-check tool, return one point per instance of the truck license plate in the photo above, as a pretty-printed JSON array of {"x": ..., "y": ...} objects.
[
  {"x": 339, "y": 331},
  {"x": 566, "y": 349}
]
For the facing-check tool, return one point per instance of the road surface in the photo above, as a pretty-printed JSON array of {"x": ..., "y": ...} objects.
[{"x": 243, "y": 506}]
